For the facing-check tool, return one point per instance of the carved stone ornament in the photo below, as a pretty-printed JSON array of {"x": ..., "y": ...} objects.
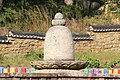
[{"x": 74, "y": 65}]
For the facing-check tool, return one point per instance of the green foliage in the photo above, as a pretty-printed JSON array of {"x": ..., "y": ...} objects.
[
  {"x": 111, "y": 64},
  {"x": 95, "y": 62},
  {"x": 34, "y": 55},
  {"x": 53, "y": 6},
  {"x": 118, "y": 14},
  {"x": 118, "y": 5},
  {"x": 9, "y": 14},
  {"x": 35, "y": 16}
]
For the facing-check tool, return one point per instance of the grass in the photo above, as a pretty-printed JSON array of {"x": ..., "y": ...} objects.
[
  {"x": 20, "y": 60},
  {"x": 103, "y": 57}
]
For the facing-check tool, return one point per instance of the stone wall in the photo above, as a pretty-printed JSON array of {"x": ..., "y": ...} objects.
[
  {"x": 101, "y": 41},
  {"x": 19, "y": 45}
]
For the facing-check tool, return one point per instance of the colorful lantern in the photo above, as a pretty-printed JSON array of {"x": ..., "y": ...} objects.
[
  {"x": 96, "y": 71},
  {"x": 32, "y": 70},
  {"x": 86, "y": 70},
  {"x": 115, "y": 71},
  {"x": 106, "y": 71},
  {"x": 12, "y": 70},
  {"x": 101, "y": 71},
  {"x": 110, "y": 71},
  {"x": 1, "y": 69},
  {"x": 91, "y": 71},
  {"x": 118, "y": 71},
  {"x": 23, "y": 70},
  {"x": 27, "y": 70},
  {"x": 8, "y": 70}
]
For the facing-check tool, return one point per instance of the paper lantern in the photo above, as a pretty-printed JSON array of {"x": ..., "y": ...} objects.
[
  {"x": 101, "y": 71},
  {"x": 106, "y": 71},
  {"x": 115, "y": 71},
  {"x": 16, "y": 70},
  {"x": 32, "y": 70},
  {"x": 91, "y": 71},
  {"x": 96, "y": 71},
  {"x": 110, "y": 71},
  {"x": 5, "y": 70},
  {"x": 27, "y": 70},
  {"x": 19, "y": 70},
  {"x": 118, "y": 71},
  {"x": 23, "y": 70},
  {"x": 86, "y": 70},
  {"x": 8, "y": 70},
  {"x": 1, "y": 69},
  {"x": 12, "y": 70}
]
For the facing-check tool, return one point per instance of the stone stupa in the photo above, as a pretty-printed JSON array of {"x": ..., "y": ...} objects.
[{"x": 59, "y": 48}]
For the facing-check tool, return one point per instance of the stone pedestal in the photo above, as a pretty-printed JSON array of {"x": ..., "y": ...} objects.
[{"x": 72, "y": 65}]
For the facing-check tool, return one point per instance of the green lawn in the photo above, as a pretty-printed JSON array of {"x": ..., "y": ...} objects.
[
  {"x": 104, "y": 58},
  {"x": 21, "y": 60}
]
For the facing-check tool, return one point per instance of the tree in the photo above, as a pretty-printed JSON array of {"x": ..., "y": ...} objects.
[{"x": 89, "y": 7}]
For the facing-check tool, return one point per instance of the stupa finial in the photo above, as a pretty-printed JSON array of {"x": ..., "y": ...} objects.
[{"x": 58, "y": 20}]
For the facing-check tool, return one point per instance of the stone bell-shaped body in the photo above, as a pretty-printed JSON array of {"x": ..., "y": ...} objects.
[{"x": 58, "y": 42}]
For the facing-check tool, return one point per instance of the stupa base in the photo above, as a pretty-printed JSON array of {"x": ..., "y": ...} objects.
[{"x": 74, "y": 65}]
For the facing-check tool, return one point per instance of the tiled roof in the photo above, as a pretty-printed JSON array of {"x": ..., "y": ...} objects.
[
  {"x": 32, "y": 35},
  {"x": 4, "y": 39},
  {"x": 81, "y": 37},
  {"x": 104, "y": 28}
]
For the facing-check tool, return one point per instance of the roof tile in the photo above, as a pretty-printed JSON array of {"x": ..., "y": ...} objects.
[{"x": 105, "y": 28}]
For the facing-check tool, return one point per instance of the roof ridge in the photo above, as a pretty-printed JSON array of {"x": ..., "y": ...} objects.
[{"x": 104, "y": 28}]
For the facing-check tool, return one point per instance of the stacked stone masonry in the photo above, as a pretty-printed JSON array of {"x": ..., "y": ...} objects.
[
  {"x": 97, "y": 40},
  {"x": 105, "y": 38},
  {"x": 22, "y": 46},
  {"x": 105, "y": 41}
]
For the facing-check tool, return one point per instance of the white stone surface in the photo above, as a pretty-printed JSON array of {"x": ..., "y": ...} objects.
[
  {"x": 58, "y": 20},
  {"x": 58, "y": 44},
  {"x": 62, "y": 72},
  {"x": 58, "y": 16}
]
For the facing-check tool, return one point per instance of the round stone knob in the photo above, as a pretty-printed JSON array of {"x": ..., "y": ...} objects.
[
  {"x": 58, "y": 20},
  {"x": 58, "y": 16}
]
